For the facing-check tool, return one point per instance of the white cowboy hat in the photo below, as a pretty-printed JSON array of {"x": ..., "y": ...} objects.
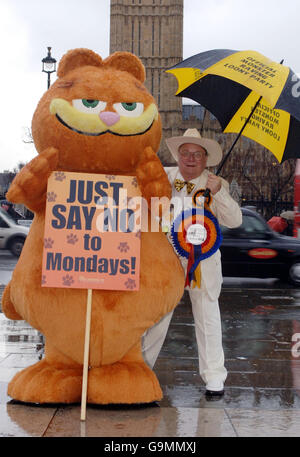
[{"x": 212, "y": 147}]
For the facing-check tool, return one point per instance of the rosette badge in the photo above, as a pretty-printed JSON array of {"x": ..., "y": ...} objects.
[{"x": 196, "y": 235}]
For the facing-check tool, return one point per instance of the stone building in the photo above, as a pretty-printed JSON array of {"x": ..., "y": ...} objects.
[{"x": 153, "y": 30}]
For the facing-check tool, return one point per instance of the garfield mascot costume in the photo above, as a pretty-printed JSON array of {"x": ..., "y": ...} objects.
[{"x": 97, "y": 117}]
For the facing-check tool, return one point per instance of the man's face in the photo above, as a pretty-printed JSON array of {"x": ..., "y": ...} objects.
[{"x": 192, "y": 160}]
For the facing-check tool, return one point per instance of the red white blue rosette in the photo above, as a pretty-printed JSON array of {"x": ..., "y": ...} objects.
[{"x": 195, "y": 252}]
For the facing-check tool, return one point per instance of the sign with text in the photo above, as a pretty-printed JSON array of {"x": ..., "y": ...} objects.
[
  {"x": 92, "y": 232},
  {"x": 267, "y": 126}
]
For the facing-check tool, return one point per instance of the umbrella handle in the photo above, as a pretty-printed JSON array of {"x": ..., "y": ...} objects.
[{"x": 238, "y": 137}]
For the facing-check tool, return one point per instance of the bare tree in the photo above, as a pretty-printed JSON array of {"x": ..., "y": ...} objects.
[
  {"x": 6, "y": 179},
  {"x": 19, "y": 167},
  {"x": 27, "y": 138},
  {"x": 259, "y": 173}
]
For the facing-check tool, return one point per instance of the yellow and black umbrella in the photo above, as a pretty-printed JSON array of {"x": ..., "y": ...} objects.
[{"x": 249, "y": 94}]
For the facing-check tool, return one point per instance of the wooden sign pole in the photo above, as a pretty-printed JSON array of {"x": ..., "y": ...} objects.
[{"x": 86, "y": 355}]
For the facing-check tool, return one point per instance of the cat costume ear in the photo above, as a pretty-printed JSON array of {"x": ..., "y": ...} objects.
[
  {"x": 124, "y": 61},
  {"x": 78, "y": 58}
]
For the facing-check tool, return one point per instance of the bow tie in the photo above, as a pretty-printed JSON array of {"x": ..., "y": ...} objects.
[{"x": 178, "y": 184}]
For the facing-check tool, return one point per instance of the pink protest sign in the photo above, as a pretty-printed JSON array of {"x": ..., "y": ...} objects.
[{"x": 92, "y": 232}]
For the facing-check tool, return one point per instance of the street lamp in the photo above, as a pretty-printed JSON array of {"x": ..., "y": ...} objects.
[{"x": 49, "y": 65}]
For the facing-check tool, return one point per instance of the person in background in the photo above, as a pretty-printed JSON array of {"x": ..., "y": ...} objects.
[
  {"x": 288, "y": 216},
  {"x": 193, "y": 154},
  {"x": 283, "y": 224},
  {"x": 9, "y": 208}
]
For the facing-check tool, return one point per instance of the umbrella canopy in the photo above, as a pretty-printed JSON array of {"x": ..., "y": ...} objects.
[
  {"x": 248, "y": 94},
  {"x": 288, "y": 215},
  {"x": 277, "y": 223}
]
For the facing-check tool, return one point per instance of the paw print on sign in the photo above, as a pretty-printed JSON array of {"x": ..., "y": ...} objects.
[
  {"x": 51, "y": 197},
  {"x": 123, "y": 246},
  {"x": 48, "y": 243},
  {"x": 130, "y": 284},
  {"x": 110, "y": 177},
  {"x": 59, "y": 176},
  {"x": 72, "y": 239},
  {"x": 134, "y": 182},
  {"x": 44, "y": 281},
  {"x": 68, "y": 280}
]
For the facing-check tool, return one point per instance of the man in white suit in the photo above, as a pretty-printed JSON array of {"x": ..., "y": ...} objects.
[{"x": 193, "y": 154}]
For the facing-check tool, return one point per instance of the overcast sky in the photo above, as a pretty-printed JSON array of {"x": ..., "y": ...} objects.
[{"x": 27, "y": 27}]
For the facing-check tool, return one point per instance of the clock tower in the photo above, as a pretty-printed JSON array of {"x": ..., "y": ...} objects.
[{"x": 153, "y": 31}]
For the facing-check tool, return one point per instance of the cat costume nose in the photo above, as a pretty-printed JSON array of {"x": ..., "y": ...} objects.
[{"x": 109, "y": 118}]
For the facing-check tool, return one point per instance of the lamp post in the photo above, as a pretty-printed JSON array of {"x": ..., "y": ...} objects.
[{"x": 49, "y": 65}]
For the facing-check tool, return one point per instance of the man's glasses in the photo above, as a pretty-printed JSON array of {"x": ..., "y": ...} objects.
[{"x": 198, "y": 155}]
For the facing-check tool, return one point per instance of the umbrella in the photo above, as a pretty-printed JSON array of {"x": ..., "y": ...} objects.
[
  {"x": 249, "y": 94},
  {"x": 277, "y": 223},
  {"x": 288, "y": 215}
]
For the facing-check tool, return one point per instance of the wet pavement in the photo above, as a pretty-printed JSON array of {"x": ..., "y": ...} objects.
[{"x": 261, "y": 328}]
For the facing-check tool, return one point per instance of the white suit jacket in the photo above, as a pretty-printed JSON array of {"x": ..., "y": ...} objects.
[{"x": 228, "y": 213}]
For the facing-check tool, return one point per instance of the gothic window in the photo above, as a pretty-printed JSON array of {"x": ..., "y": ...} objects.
[
  {"x": 132, "y": 35},
  {"x": 158, "y": 94},
  {"x": 159, "y": 38},
  {"x": 139, "y": 43},
  {"x": 152, "y": 81},
  {"x": 189, "y": 111},
  {"x": 153, "y": 38}
]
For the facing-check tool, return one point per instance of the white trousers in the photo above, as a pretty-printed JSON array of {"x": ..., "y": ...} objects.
[{"x": 208, "y": 335}]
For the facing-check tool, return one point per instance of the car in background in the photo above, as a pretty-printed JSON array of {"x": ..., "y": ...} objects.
[
  {"x": 12, "y": 235},
  {"x": 254, "y": 250}
]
